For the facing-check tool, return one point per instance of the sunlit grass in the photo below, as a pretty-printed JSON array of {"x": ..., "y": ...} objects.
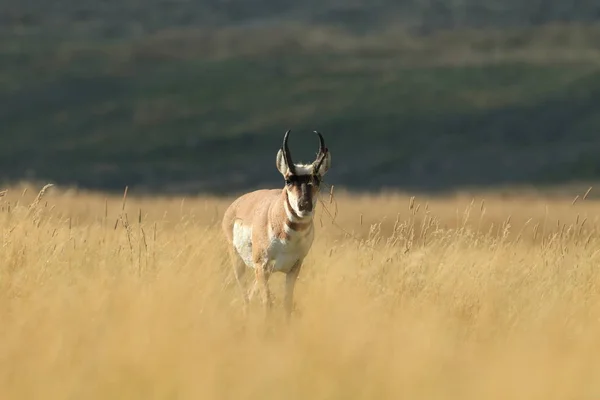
[{"x": 458, "y": 297}]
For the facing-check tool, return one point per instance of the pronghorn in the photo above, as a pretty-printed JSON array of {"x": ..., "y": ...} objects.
[{"x": 271, "y": 230}]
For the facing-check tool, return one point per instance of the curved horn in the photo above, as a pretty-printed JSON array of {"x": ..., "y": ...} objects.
[
  {"x": 322, "y": 152},
  {"x": 321, "y": 143},
  {"x": 286, "y": 153}
]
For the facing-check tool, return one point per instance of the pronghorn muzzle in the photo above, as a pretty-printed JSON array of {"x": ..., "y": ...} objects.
[{"x": 305, "y": 203}]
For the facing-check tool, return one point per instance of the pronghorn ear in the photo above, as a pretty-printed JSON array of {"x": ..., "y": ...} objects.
[
  {"x": 281, "y": 164},
  {"x": 325, "y": 164}
]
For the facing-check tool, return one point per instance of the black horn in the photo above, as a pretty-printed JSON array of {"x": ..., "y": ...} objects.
[
  {"x": 322, "y": 152},
  {"x": 286, "y": 153}
]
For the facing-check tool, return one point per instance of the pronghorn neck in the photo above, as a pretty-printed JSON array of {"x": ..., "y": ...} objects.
[{"x": 285, "y": 222}]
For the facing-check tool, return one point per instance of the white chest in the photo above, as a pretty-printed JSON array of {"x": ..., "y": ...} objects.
[{"x": 284, "y": 253}]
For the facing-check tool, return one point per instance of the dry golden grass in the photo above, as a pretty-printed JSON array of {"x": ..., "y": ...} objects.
[{"x": 440, "y": 298}]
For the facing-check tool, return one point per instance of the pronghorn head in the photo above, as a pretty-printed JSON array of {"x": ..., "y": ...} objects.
[{"x": 302, "y": 181}]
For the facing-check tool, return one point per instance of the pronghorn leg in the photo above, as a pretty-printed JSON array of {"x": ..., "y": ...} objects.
[
  {"x": 290, "y": 284},
  {"x": 262, "y": 273},
  {"x": 253, "y": 290},
  {"x": 239, "y": 267}
]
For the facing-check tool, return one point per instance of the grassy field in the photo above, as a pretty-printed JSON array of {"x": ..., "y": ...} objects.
[{"x": 468, "y": 297}]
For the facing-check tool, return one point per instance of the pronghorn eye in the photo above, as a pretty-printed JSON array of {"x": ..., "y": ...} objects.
[{"x": 288, "y": 182}]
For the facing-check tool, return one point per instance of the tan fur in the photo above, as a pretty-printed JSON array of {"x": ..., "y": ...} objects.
[
  {"x": 271, "y": 230},
  {"x": 260, "y": 209},
  {"x": 251, "y": 208},
  {"x": 265, "y": 212}
]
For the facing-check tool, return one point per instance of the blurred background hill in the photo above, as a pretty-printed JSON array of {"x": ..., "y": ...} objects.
[{"x": 178, "y": 95}]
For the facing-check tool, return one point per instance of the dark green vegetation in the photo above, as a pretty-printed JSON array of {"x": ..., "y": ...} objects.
[
  {"x": 120, "y": 18},
  {"x": 106, "y": 95}
]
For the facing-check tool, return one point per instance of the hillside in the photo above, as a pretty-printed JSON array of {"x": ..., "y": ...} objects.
[
  {"x": 182, "y": 106},
  {"x": 122, "y": 18}
]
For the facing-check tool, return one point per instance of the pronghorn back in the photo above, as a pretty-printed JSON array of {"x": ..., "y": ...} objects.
[
  {"x": 250, "y": 208},
  {"x": 246, "y": 212}
]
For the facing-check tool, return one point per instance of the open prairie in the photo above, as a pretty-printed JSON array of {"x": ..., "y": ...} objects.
[{"x": 459, "y": 297}]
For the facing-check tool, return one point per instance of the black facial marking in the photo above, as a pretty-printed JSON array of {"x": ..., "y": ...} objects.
[{"x": 303, "y": 179}]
